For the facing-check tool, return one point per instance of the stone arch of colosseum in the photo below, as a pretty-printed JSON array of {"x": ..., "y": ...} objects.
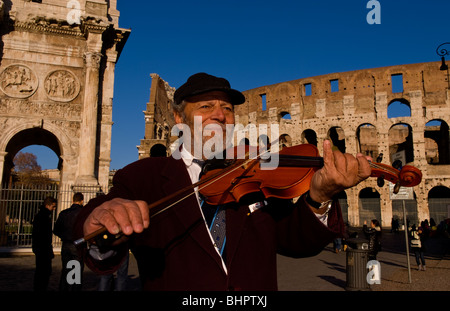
[
  {"x": 351, "y": 109},
  {"x": 56, "y": 85}
]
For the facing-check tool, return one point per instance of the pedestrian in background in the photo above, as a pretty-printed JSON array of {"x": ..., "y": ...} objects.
[
  {"x": 42, "y": 244},
  {"x": 417, "y": 247},
  {"x": 63, "y": 229},
  {"x": 373, "y": 234}
]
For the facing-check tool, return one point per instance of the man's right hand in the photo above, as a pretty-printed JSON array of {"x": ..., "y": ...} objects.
[{"x": 119, "y": 215}]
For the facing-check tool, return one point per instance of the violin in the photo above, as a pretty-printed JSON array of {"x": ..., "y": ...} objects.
[
  {"x": 290, "y": 178},
  {"x": 228, "y": 180}
]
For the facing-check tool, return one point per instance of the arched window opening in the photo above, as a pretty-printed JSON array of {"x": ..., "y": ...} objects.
[
  {"x": 401, "y": 143},
  {"x": 31, "y": 172},
  {"x": 285, "y": 115},
  {"x": 285, "y": 141},
  {"x": 244, "y": 142},
  {"x": 437, "y": 142},
  {"x": 337, "y": 137},
  {"x": 35, "y": 164},
  {"x": 438, "y": 203},
  {"x": 369, "y": 203},
  {"x": 309, "y": 137},
  {"x": 158, "y": 150},
  {"x": 367, "y": 140},
  {"x": 399, "y": 108},
  {"x": 43, "y": 145}
]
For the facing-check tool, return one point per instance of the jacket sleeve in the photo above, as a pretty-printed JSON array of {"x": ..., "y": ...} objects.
[
  {"x": 42, "y": 235},
  {"x": 37, "y": 244},
  {"x": 301, "y": 234},
  {"x": 108, "y": 258},
  {"x": 132, "y": 183},
  {"x": 58, "y": 229}
]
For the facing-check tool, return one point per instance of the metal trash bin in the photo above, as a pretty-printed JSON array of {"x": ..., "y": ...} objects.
[
  {"x": 356, "y": 265},
  {"x": 358, "y": 243}
]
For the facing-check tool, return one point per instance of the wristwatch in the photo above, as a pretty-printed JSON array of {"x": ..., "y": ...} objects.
[{"x": 317, "y": 205}]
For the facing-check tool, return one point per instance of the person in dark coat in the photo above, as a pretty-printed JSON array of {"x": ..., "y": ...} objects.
[
  {"x": 64, "y": 230},
  {"x": 178, "y": 249},
  {"x": 373, "y": 234},
  {"x": 42, "y": 244},
  {"x": 417, "y": 239}
]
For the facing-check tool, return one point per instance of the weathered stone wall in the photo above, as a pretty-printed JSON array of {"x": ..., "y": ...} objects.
[
  {"x": 158, "y": 119},
  {"x": 56, "y": 84},
  {"x": 362, "y": 97}
]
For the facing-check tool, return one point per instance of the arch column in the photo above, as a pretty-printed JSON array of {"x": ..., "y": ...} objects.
[
  {"x": 423, "y": 204},
  {"x": 106, "y": 122},
  {"x": 88, "y": 139},
  {"x": 3, "y": 236},
  {"x": 353, "y": 206},
  {"x": 2, "y": 166},
  {"x": 385, "y": 206}
]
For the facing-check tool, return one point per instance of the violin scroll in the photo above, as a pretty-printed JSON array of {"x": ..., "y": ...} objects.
[{"x": 407, "y": 176}]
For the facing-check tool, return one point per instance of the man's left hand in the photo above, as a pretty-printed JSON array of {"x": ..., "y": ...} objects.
[{"x": 340, "y": 171}]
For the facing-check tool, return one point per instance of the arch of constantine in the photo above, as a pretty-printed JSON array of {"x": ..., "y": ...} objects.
[
  {"x": 357, "y": 111},
  {"x": 56, "y": 83}
]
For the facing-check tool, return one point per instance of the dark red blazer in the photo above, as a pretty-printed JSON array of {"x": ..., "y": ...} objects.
[{"x": 176, "y": 253}]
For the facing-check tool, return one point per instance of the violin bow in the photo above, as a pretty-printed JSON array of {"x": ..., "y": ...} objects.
[{"x": 184, "y": 193}]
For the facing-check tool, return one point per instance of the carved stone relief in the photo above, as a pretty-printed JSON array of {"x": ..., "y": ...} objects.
[
  {"x": 18, "y": 81},
  {"x": 61, "y": 85},
  {"x": 13, "y": 107}
]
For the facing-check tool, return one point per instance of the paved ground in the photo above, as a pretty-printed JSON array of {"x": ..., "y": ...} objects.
[
  {"x": 324, "y": 272},
  {"x": 327, "y": 271}
]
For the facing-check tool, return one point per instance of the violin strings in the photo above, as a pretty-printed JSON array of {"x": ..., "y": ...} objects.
[
  {"x": 389, "y": 169},
  {"x": 205, "y": 183}
]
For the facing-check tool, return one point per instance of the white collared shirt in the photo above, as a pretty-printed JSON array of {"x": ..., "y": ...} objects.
[
  {"x": 194, "y": 171},
  {"x": 193, "y": 168}
]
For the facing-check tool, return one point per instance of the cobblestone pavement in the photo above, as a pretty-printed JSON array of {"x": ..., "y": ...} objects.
[{"x": 324, "y": 272}]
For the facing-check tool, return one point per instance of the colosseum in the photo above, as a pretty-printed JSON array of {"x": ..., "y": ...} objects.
[{"x": 395, "y": 113}]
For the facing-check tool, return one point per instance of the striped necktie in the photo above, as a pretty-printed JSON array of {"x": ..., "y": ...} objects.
[{"x": 215, "y": 219}]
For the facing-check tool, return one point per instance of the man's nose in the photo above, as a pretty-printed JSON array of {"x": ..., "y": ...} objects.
[{"x": 218, "y": 113}]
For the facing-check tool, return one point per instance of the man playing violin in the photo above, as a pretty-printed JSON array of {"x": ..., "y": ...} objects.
[{"x": 175, "y": 250}]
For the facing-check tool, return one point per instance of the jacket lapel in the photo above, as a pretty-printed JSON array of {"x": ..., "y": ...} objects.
[
  {"x": 237, "y": 216},
  {"x": 176, "y": 177}
]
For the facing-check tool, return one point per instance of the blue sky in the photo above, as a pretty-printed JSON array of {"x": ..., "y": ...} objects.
[{"x": 256, "y": 43}]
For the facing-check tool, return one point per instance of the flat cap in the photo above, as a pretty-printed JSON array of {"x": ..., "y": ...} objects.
[{"x": 200, "y": 83}]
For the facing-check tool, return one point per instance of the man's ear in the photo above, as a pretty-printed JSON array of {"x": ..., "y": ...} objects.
[{"x": 177, "y": 116}]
